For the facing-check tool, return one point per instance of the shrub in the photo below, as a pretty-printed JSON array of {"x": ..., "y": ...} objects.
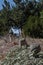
[{"x": 34, "y": 27}]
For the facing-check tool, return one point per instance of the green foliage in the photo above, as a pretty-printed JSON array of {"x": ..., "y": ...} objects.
[
  {"x": 25, "y": 12},
  {"x": 34, "y": 27}
]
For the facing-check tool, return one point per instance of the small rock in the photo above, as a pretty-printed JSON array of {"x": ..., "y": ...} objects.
[{"x": 35, "y": 47}]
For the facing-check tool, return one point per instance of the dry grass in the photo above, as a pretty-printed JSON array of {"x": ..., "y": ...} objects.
[{"x": 4, "y": 47}]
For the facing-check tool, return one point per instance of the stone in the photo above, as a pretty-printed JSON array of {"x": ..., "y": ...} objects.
[{"x": 35, "y": 48}]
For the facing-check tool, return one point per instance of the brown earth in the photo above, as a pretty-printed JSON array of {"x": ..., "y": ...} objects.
[{"x": 4, "y": 47}]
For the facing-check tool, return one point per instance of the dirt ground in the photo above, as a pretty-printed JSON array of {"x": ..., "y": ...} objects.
[{"x": 4, "y": 47}]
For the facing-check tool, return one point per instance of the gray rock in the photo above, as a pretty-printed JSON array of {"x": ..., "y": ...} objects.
[{"x": 35, "y": 47}]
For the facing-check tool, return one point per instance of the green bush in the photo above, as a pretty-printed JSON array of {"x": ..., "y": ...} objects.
[{"x": 34, "y": 27}]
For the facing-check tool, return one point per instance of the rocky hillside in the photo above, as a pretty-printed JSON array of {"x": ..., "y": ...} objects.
[{"x": 22, "y": 56}]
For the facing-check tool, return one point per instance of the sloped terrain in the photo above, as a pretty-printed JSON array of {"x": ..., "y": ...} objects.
[
  {"x": 13, "y": 55},
  {"x": 4, "y": 47},
  {"x": 22, "y": 56}
]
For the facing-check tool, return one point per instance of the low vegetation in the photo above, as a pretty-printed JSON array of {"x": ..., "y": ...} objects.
[{"x": 22, "y": 56}]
